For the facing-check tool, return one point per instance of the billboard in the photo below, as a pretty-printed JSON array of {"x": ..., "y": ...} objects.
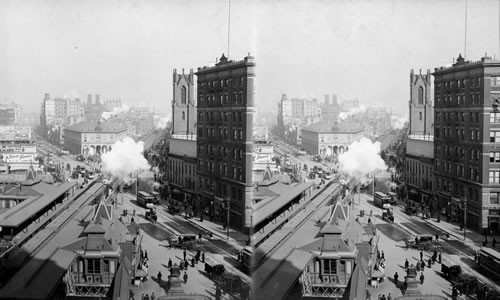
[
  {"x": 17, "y": 158},
  {"x": 17, "y": 149}
]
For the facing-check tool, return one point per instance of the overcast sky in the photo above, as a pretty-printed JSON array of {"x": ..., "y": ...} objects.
[{"x": 128, "y": 49}]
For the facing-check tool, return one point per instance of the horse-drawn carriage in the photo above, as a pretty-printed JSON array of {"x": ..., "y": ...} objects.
[
  {"x": 388, "y": 215},
  {"x": 421, "y": 242},
  {"x": 213, "y": 268},
  {"x": 184, "y": 241}
]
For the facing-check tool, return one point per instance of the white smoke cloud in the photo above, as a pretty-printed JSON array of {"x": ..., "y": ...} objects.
[
  {"x": 354, "y": 111},
  {"x": 398, "y": 122},
  {"x": 362, "y": 159},
  {"x": 125, "y": 159},
  {"x": 391, "y": 185},
  {"x": 116, "y": 111},
  {"x": 160, "y": 122}
]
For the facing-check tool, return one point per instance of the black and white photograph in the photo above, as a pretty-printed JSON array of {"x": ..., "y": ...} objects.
[{"x": 265, "y": 149}]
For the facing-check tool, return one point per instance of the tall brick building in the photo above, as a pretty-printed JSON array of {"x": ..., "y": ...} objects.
[
  {"x": 467, "y": 141},
  {"x": 224, "y": 140}
]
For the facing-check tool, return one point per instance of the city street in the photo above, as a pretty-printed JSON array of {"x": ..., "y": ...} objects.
[{"x": 156, "y": 237}]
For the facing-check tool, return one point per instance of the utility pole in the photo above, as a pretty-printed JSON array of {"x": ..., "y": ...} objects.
[
  {"x": 465, "y": 218},
  {"x": 228, "y": 205}
]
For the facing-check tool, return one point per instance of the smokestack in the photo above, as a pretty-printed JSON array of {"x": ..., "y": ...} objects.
[
  {"x": 97, "y": 99},
  {"x": 89, "y": 99}
]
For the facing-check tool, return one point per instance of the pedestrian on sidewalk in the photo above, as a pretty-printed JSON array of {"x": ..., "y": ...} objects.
[
  {"x": 202, "y": 256},
  {"x": 422, "y": 278},
  {"x": 407, "y": 264},
  {"x": 422, "y": 265},
  {"x": 184, "y": 252},
  {"x": 186, "y": 264},
  {"x": 383, "y": 256},
  {"x": 383, "y": 297},
  {"x": 437, "y": 237},
  {"x": 389, "y": 297},
  {"x": 169, "y": 263},
  {"x": 429, "y": 262},
  {"x": 199, "y": 236},
  {"x": 181, "y": 265},
  {"x": 159, "y": 278},
  {"x": 493, "y": 243},
  {"x": 421, "y": 255},
  {"x": 485, "y": 241},
  {"x": 153, "y": 296},
  {"x": 379, "y": 297},
  {"x": 192, "y": 262},
  {"x": 439, "y": 257},
  {"x": 185, "y": 277},
  {"x": 146, "y": 297},
  {"x": 145, "y": 254},
  {"x": 396, "y": 276}
]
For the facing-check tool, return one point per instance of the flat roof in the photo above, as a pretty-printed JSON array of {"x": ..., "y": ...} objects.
[
  {"x": 31, "y": 206},
  {"x": 276, "y": 281},
  {"x": 267, "y": 207},
  {"x": 40, "y": 283},
  {"x": 90, "y": 127}
]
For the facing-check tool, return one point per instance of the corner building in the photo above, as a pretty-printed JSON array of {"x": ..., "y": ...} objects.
[
  {"x": 224, "y": 140},
  {"x": 467, "y": 142}
]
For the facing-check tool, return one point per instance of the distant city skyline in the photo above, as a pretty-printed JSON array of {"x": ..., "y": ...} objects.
[{"x": 127, "y": 49}]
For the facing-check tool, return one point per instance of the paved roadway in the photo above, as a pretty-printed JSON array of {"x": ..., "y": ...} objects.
[{"x": 171, "y": 226}]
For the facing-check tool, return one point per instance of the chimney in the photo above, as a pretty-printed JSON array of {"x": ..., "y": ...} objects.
[{"x": 89, "y": 99}]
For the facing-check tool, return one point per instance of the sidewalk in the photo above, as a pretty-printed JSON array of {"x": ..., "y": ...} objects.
[
  {"x": 236, "y": 238},
  {"x": 473, "y": 238}
]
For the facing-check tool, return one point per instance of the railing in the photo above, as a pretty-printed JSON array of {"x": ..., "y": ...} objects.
[
  {"x": 326, "y": 279},
  {"x": 92, "y": 279}
]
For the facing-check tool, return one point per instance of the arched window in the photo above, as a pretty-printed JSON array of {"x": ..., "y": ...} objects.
[
  {"x": 184, "y": 116},
  {"x": 420, "y": 95},
  {"x": 419, "y": 116},
  {"x": 183, "y": 95}
]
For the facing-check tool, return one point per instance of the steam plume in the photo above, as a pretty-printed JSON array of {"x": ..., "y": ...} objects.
[
  {"x": 352, "y": 112},
  {"x": 362, "y": 159},
  {"x": 160, "y": 122},
  {"x": 116, "y": 111},
  {"x": 125, "y": 159},
  {"x": 398, "y": 122}
]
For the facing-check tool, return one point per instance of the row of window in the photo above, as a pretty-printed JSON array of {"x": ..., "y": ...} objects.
[
  {"x": 235, "y": 116},
  {"x": 220, "y": 188},
  {"x": 459, "y": 133},
  {"x": 459, "y": 170},
  {"x": 458, "y": 189},
  {"x": 458, "y": 117},
  {"x": 221, "y": 151},
  {"x": 232, "y": 172},
  {"x": 237, "y": 134},
  {"x": 180, "y": 170},
  {"x": 459, "y": 99},
  {"x": 236, "y": 98},
  {"x": 459, "y": 83},
  {"x": 222, "y": 83}
]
